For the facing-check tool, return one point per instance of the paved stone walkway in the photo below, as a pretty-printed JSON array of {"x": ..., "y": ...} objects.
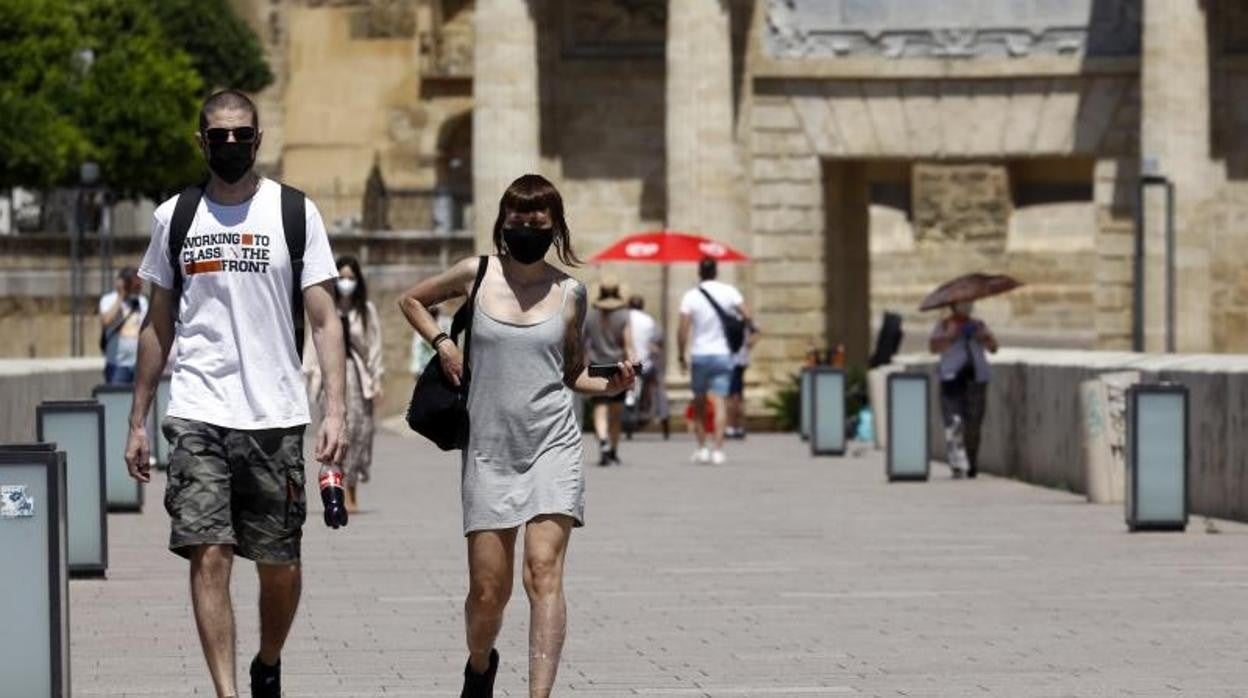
[{"x": 774, "y": 575}]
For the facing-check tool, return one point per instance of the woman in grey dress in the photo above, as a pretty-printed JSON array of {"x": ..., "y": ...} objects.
[{"x": 522, "y": 464}]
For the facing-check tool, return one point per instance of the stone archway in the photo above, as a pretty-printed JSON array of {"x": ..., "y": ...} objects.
[{"x": 453, "y": 173}]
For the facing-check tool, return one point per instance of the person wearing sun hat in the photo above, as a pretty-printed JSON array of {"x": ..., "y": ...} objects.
[{"x": 608, "y": 340}]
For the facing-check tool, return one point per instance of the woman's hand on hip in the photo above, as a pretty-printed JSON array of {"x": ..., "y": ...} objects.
[{"x": 452, "y": 362}]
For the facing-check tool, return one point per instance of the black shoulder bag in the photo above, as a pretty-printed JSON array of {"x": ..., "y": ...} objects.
[
  {"x": 294, "y": 228},
  {"x": 734, "y": 326},
  {"x": 439, "y": 410}
]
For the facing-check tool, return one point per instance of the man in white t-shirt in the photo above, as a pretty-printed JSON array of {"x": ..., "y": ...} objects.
[
  {"x": 709, "y": 357},
  {"x": 238, "y": 408}
]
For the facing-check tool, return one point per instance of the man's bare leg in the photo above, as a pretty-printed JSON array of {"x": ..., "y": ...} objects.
[
  {"x": 280, "y": 587},
  {"x": 491, "y": 559},
  {"x": 545, "y": 547},
  {"x": 699, "y": 419},
  {"x": 615, "y": 423},
  {"x": 721, "y": 418},
  {"x": 214, "y": 613}
]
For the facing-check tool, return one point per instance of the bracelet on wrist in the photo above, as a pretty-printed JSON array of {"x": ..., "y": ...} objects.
[{"x": 438, "y": 339}]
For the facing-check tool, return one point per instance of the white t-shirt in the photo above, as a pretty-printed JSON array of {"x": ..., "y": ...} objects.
[
  {"x": 123, "y": 339},
  {"x": 237, "y": 366},
  {"x": 642, "y": 327},
  {"x": 708, "y": 330}
]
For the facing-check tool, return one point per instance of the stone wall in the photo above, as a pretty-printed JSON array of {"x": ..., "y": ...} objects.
[
  {"x": 968, "y": 135},
  {"x": 1032, "y": 428}
]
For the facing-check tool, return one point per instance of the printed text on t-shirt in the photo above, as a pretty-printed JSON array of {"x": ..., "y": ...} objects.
[{"x": 246, "y": 253}]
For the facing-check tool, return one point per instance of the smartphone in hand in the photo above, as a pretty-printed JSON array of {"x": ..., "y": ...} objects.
[{"x": 608, "y": 370}]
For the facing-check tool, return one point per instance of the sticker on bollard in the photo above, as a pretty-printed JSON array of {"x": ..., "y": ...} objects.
[
  {"x": 77, "y": 428},
  {"x": 1157, "y": 457},
  {"x": 909, "y": 427},
  {"x": 123, "y": 492},
  {"x": 827, "y": 410},
  {"x": 34, "y": 591}
]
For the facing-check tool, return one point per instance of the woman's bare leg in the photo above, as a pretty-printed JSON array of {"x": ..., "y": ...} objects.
[
  {"x": 545, "y": 546},
  {"x": 491, "y": 559}
]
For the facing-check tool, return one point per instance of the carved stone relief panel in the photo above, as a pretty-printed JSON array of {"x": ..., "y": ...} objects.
[
  {"x": 384, "y": 19},
  {"x": 951, "y": 28},
  {"x": 964, "y": 204},
  {"x": 614, "y": 28}
]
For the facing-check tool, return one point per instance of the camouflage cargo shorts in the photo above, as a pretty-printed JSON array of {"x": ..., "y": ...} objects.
[{"x": 236, "y": 487}]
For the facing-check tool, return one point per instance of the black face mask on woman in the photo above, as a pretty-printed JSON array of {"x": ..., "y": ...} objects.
[
  {"x": 527, "y": 244},
  {"x": 230, "y": 161}
]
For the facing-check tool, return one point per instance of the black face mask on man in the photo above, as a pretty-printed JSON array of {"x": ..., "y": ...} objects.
[
  {"x": 527, "y": 244},
  {"x": 230, "y": 161}
]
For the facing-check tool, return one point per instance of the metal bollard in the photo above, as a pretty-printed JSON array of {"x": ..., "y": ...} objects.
[
  {"x": 34, "y": 592},
  {"x": 804, "y": 403},
  {"x": 1157, "y": 457},
  {"x": 827, "y": 411},
  {"x": 77, "y": 428},
  {"x": 123, "y": 492},
  {"x": 909, "y": 427}
]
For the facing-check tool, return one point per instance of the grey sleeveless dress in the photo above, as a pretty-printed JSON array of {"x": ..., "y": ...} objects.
[{"x": 523, "y": 457}]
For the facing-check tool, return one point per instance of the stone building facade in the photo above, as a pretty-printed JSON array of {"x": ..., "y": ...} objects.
[{"x": 861, "y": 151}]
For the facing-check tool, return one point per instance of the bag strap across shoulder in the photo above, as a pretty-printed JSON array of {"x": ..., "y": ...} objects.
[
  {"x": 719, "y": 310},
  {"x": 462, "y": 322}
]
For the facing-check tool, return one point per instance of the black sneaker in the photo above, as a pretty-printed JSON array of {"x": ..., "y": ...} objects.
[
  {"x": 613, "y": 456},
  {"x": 266, "y": 681},
  {"x": 480, "y": 685}
]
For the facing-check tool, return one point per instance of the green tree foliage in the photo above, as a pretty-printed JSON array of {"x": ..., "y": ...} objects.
[
  {"x": 118, "y": 82},
  {"x": 139, "y": 102},
  {"x": 223, "y": 49},
  {"x": 39, "y": 143}
]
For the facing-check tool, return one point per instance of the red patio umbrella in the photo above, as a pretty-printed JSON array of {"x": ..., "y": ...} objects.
[{"x": 666, "y": 247}]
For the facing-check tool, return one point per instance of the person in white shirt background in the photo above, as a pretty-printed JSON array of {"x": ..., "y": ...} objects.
[
  {"x": 705, "y": 353},
  {"x": 121, "y": 315},
  {"x": 649, "y": 396}
]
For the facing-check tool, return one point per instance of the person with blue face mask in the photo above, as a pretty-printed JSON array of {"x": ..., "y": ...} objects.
[{"x": 963, "y": 343}]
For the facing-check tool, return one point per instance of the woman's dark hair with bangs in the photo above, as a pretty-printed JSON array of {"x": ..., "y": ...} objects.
[{"x": 530, "y": 193}]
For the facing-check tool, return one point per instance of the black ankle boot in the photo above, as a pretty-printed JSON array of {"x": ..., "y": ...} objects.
[
  {"x": 266, "y": 681},
  {"x": 480, "y": 685}
]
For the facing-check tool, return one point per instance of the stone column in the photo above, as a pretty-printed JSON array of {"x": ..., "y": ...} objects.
[
  {"x": 505, "y": 119},
  {"x": 703, "y": 170},
  {"x": 1175, "y": 140}
]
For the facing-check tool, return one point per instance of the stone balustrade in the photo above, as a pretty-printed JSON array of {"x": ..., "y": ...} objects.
[{"x": 1033, "y": 430}]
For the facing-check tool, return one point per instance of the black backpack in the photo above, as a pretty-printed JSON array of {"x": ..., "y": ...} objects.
[
  {"x": 734, "y": 326},
  {"x": 294, "y": 227},
  {"x": 438, "y": 410}
]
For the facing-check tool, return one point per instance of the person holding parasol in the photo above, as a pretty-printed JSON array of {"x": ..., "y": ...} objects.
[{"x": 963, "y": 343}]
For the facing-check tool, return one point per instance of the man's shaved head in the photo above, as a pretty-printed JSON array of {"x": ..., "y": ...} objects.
[{"x": 228, "y": 99}]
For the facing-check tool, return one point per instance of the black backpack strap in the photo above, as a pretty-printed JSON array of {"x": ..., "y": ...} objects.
[
  {"x": 179, "y": 226},
  {"x": 295, "y": 228}
]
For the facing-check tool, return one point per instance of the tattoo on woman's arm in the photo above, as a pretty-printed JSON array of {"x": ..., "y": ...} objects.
[{"x": 574, "y": 345}]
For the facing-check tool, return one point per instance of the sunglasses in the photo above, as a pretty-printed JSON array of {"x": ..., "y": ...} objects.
[{"x": 242, "y": 134}]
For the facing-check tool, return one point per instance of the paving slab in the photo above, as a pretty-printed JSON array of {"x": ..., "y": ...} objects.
[{"x": 776, "y": 574}]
